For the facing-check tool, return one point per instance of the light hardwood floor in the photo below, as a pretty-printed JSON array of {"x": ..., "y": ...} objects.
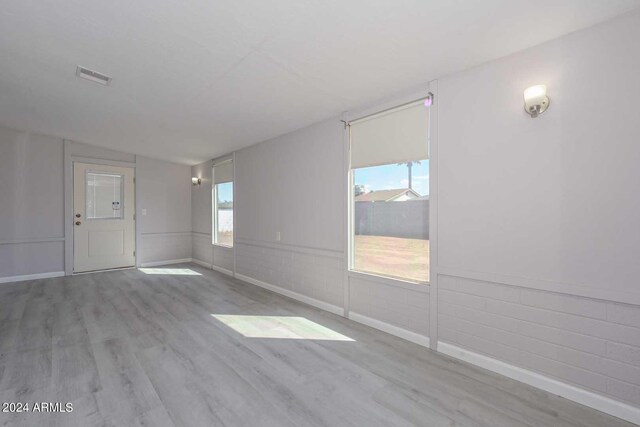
[{"x": 129, "y": 348}]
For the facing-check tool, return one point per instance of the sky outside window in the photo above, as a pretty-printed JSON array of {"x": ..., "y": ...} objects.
[
  {"x": 389, "y": 177},
  {"x": 225, "y": 192}
]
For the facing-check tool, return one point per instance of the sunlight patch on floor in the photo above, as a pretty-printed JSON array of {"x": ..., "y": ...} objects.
[
  {"x": 286, "y": 327},
  {"x": 172, "y": 271}
]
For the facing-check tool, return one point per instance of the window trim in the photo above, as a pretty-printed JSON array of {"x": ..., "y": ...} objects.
[
  {"x": 214, "y": 208},
  {"x": 390, "y": 281}
]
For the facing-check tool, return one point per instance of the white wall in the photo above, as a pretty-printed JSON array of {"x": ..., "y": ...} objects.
[
  {"x": 32, "y": 204},
  {"x": 201, "y": 199},
  {"x": 164, "y": 192},
  {"x": 296, "y": 184},
  {"x": 555, "y": 198},
  {"x": 538, "y": 218},
  {"x": 202, "y": 248},
  {"x": 293, "y": 185}
]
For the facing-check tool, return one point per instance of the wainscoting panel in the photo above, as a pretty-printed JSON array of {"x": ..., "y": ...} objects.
[
  {"x": 317, "y": 274},
  {"x": 223, "y": 258},
  {"x": 592, "y": 344},
  {"x": 202, "y": 248},
  {"x": 158, "y": 247},
  {"x": 397, "y": 306},
  {"x": 34, "y": 257}
]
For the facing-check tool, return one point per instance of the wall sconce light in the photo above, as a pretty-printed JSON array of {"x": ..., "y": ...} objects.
[
  {"x": 196, "y": 181},
  {"x": 536, "y": 100}
]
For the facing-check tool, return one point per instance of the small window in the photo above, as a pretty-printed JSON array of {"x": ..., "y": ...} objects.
[
  {"x": 224, "y": 213},
  {"x": 223, "y": 204},
  {"x": 104, "y": 196},
  {"x": 390, "y": 194}
]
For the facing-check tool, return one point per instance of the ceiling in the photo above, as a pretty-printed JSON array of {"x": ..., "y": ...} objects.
[{"x": 195, "y": 79}]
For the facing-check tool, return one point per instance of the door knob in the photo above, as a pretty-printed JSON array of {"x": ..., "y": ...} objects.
[
  {"x": 78, "y": 223},
  {"x": 78, "y": 215}
]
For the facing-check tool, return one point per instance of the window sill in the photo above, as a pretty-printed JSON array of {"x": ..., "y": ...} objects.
[
  {"x": 220, "y": 245},
  {"x": 399, "y": 283}
]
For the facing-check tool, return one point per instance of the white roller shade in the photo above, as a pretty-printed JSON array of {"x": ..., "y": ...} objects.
[
  {"x": 393, "y": 136},
  {"x": 223, "y": 172}
]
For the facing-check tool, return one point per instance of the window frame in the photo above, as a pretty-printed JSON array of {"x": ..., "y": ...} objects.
[
  {"x": 86, "y": 201},
  {"x": 366, "y": 275},
  {"x": 214, "y": 204}
]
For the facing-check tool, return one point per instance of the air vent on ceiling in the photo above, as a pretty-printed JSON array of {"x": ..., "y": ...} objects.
[{"x": 94, "y": 76}]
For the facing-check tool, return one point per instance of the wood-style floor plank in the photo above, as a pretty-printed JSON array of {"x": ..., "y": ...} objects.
[{"x": 133, "y": 349}]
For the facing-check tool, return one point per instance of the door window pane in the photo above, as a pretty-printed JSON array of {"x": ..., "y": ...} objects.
[
  {"x": 104, "y": 195},
  {"x": 391, "y": 220},
  {"x": 224, "y": 214}
]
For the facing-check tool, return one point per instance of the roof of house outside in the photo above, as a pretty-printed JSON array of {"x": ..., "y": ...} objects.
[{"x": 384, "y": 195}]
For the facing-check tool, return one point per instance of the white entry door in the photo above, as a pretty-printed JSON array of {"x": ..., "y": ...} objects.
[{"x": 104, "y": 217}]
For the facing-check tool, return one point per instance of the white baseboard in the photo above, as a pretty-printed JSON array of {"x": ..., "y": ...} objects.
[
  {"x": 385, "y": 327},
  {"x": 201, "y": 263},
  {"x": 291, "y": 294},
  {"x": 390, "y": 329},
  {"x": 212, "y": 267},
  {"x": 10, "y": 279},
  {"x": 165, "y": 262},
  {"x": 222, "y": 270},
  {"x": 584, "y": 397}
]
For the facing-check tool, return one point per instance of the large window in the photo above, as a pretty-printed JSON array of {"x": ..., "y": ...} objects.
[
  {"x": 223, "y": 204},
  {"x": 390, "y": 194}
]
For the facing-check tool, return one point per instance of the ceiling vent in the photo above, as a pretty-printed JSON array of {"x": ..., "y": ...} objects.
[{"x": 93, "y": 76}]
